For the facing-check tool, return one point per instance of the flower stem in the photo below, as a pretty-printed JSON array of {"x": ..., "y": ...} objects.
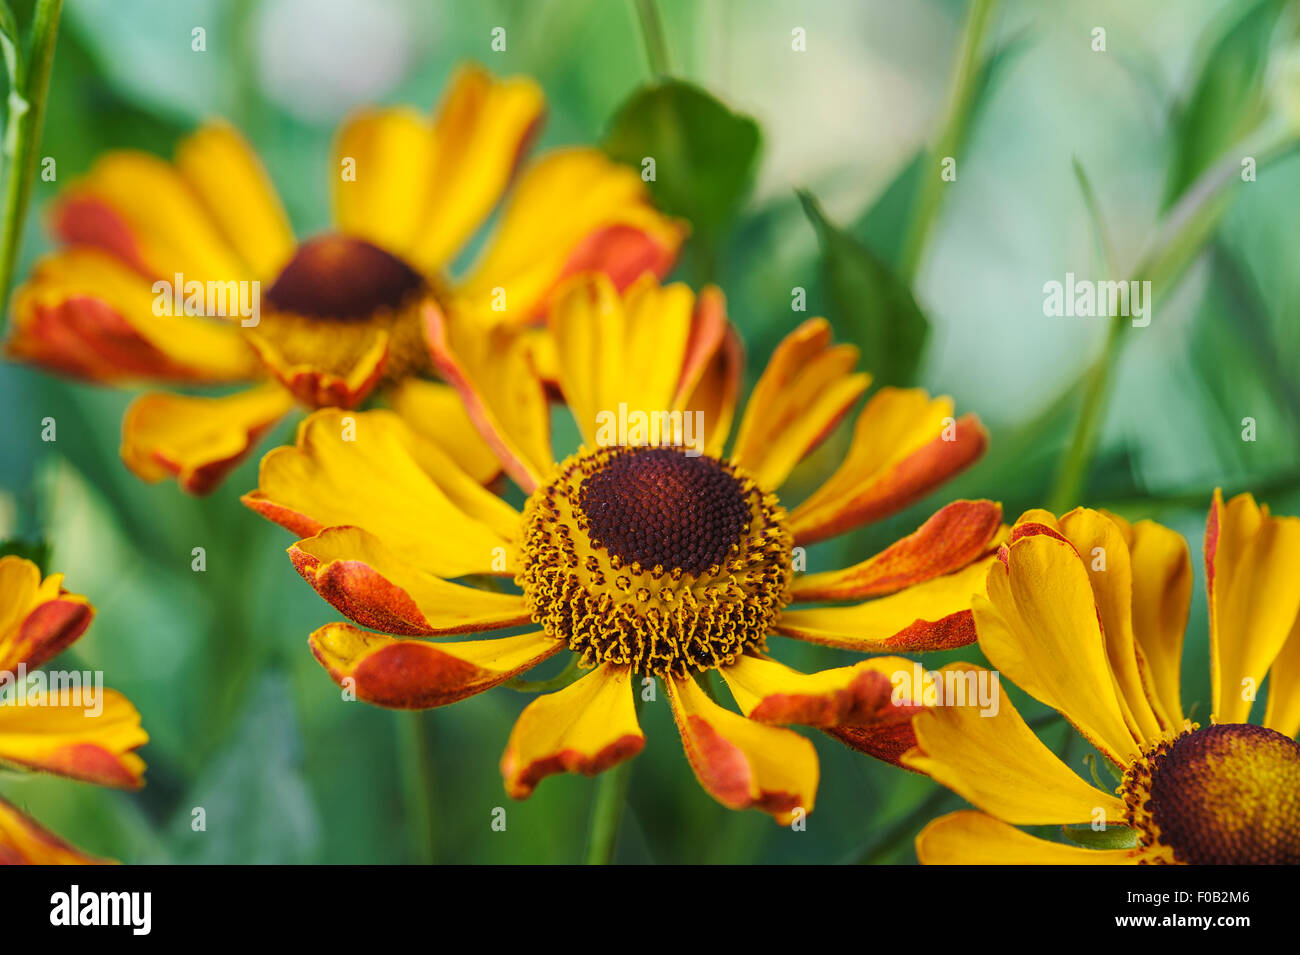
[
  {"x": 961, "y": 99},
  {"x": 652, "y": 34},
  {"x": 23, "y": 137},
  {"x": 417, "y": 781},
  {"x": 607, "y": 814}
]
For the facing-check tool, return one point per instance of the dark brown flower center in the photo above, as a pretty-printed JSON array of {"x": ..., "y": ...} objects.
[
  {"x": 1228, "y": 794},
  {"x": 660, "y": 507},
  {"x": 341, "y": 277}
]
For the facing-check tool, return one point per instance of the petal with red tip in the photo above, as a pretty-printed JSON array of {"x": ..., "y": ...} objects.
[
  {"x": 89, "y": 736},
  {"x": 414, "y": 674},
  {"x": 587, "y": 727},
  {"x": 24, "y": 842}
]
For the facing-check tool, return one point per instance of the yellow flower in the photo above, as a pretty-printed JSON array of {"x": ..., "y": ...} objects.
[
  {"x": 338, "y": 316},
  {"x": 54, "y": 728},
  {"x": 1087, "y": 615},
  {"x": 644, "y": 561}
]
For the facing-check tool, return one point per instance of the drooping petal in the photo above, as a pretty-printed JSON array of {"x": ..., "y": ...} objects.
[
  {"x": 372, "y": 585},
  {"x": 932, "y": 615},
  {"x": 950, "y": 539},
  {"x": 587, "y": 727},
  {"x": 89, "y": 735},
  {"x": 573, "y": 211},
  {"x": 1040, "y": 627},
  {"x": 368, "y": 470},
  {"x": 973, "y": 838},
  {"x": 741, "y": 763},
  {"x": 196, "y": 439},
  {"x": 1101, "y": 543},
  {"x": 434, "y": 411},
  {"x": 905, "y": 444},
  {"x": 482, "y": 131},
  {"x": 83, "y": 313},
  {"x": 804, "y": 391},
  {"x": 414, "y": 674},
  {"x": 860, "y": 705},
  {"x": 493, "y": 372},
  {"x": 319, "y": 386},
  {"x": 989, "y": 756},
  {"x": 38, "y": 619},
  {"x": 24, "y": 842},
  {"x": 230, "y": 182},
  {"x": 1254, "y": 593}
]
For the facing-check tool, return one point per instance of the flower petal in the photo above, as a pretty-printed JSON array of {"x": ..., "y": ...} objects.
[
  {"x": 573, "y": 211},
  {"x": 1110, "y": 571},
  {"x": 369, "y": 470},
  {"x": 994, "y": 760},
  {"x": 804, "y": 391},
  {"x": 38, "y": 618},
  {"x": 229, "y": 180},
  {"x": 741, "y": 763},
  {"x": 415, "y": 675},
  {"x": 83, "y": 313},
  {"x": 198, "y": 440},
  {"x": 24, "y": 842},
  {"x": 1040, "y": 626},
  {"x": 1254, "y": 590},
  {"x": 933, "y": 615},
  {"x": 93, "y": 741},
  {"x": 587, "y": 727},
  {"x": 434, "y": 411},
  {"x": 855, "y": 704},
  {"x": 365, "y": 580},
  {"x": 483, "y": 129},
  {"x": 139, "y": 208},
  {"x": 715, "y": 393},
  {"x": 950, "y": 539},
  {"x": 493, "y": 372},
  {"x": 905, "y": 444},
  {"x": 318, "y": 386},
  {"x": 1283, "y": 710},
  {"x": 973, "y": 838}
]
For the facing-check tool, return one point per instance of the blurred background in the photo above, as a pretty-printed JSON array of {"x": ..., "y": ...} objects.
[{"x": 1110, "y": 163}]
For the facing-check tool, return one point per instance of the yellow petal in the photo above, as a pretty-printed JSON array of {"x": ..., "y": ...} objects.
[
  {"x": 434, "y": 411},
  {"x": 38, "y": 619},
  {"x": 364, "y": 579},
  {"x": 368, "y": 470},
  {"x": 994, "y": 760},
  {"x": 587, "y": 727},
  {"x": 415, "y": 674},
  {"x": 972, "y": 838},
  {"x": 1039, "y": 627},
  {"x": 574, "y": 210},
  {"x": 740, "y": 763},
  {"x": 1283, "y": 710},
  {"x": 87, "y": 737},
  {"x": 1250, "y": 559},
  {"x": 235, "y": 191},
  {"x": 196, "y": 439}
]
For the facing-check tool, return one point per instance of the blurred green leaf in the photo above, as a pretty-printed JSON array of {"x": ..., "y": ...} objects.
[
  {"x": 1228, "y": 100},
  {"x": 12, "y": 47},
  {"x": 704, "y": 154},
  {"x": 38, "y": 552},
  {"x": 869, "y": 304}
]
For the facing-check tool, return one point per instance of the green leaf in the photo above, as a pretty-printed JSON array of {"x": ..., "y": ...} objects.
[
  {"x": 704, "y": 154},
  {"x": 12, "y": 47},
  {"x": 1228, "y": 100},
  {"x": 1112, "y": 837},
  {"x": 869, "y": 304},
  {"x": 38, "y": 551}
]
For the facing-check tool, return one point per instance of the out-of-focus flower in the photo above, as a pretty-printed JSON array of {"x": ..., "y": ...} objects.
[
  {"x": 1086, "y": 614},
  {"x": 649, "y": 556},
  {"x": 53, "y": 725},
  {"x": 189, "y": 273}
]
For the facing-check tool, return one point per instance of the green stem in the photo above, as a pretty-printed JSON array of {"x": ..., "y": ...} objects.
[
  {"x": 607, "y": 810},
  {"x": 417, "y": 781},
  {"x": 1069, "y": 480},
  {"x": 652, "y": 34},
  {"x": 901, "y": 829},
  {"x": 23, "y": 138},
  {"x": 960, "y": 99}
]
